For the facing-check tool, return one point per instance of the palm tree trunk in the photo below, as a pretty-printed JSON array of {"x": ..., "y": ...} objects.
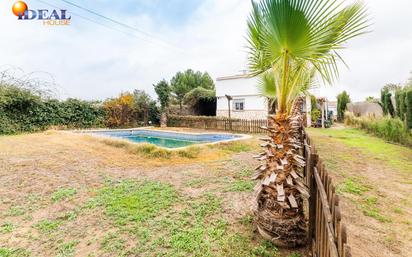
[{"x": 280, "y": 191}]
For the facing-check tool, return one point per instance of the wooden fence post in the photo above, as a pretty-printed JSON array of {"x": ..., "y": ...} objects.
[{"x": 313, "y": 192}]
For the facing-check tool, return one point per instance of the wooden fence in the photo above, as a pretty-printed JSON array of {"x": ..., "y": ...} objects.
[
  {"x": 327, "y": 234},
  {"x": 218, "y": 123}
]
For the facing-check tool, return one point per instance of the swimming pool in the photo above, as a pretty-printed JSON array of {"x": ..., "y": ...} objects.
[{"x": 167, "y": 139}]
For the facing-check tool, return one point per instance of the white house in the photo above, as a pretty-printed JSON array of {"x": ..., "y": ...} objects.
[{"x": 247, "y": 102}]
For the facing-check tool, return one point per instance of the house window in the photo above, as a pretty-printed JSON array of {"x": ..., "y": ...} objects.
[{"x": 239, "y": 104}]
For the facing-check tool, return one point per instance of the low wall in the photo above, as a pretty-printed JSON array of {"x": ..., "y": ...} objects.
[{"x": 256, "y": 114}]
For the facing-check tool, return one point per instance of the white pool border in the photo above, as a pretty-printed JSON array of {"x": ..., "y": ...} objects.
[{"x": 91, "y": 131}]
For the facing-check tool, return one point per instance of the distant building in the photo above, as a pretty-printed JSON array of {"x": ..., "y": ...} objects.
[
  {"x": 333, "y": 106},
  {"x": 365, "y": 109}
]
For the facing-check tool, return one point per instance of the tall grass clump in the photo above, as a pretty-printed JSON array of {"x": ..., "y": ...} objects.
[{"x": 390, "y": 129}]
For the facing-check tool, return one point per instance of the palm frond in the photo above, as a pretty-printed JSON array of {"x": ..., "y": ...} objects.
[{"x": 285, "y": 35}]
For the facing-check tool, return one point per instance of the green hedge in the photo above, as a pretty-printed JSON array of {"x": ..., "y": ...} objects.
[
  {"x": 23, "y": 111},
  {"x": 386, "y": 101},
  {"x": 403, "y": 98},
  {"x": 408, "y": 105},
  {"x": 391, "y": 129}
]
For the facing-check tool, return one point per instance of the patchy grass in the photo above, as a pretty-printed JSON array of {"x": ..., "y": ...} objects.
[
  {"x": 241, "y": 186},
  {"x": 129, "y": 201},
  {"x": 167, "y": 224},
  {"x": 47, "y": 225},
  {"x": 67, "y": 249},
  {"x": 370, "y": 208},
  {"x": 69, "y": 215},
  {"x": 7, "y": 252},
  {"x": 112, "y": 243},
  {"x": 196, "y": 183},
  {"x": 352, "y": 186},
  {"x": 63, "y": 194},
  {"x": 398, "y": 210},
  {"x": 6, "y": 228},
  {"x": 16, "y": 211},
  {"x": 235, "y": 146}
]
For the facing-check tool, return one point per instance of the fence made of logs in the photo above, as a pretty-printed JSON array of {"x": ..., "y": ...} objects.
[
  {"x": 252, "y": 126},
  {"x": 327, "y": 233}
]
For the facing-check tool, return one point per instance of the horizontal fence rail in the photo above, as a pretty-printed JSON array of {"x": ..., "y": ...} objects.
[
  {"x": 327, "y": 233},
  {"x": 218, "y": 123}
]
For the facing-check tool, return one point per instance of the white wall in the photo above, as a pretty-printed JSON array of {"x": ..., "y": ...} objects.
[
  {"x": 255, "y": 105},
  {"x": 252, "y": 103},
  {"x": 237, "y": 87}
]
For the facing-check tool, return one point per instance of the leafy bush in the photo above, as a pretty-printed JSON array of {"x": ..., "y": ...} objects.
[
  {"x": 391, "y": 129},
  {"x": 128, "y": 109}
]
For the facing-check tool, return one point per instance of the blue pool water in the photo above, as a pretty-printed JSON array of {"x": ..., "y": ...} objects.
[{"x": 166, "y": 139}]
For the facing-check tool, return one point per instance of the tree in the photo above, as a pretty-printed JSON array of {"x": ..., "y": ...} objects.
[
  {"x": 386, "y": 100},
  {"x": 184, "y": 82},
  {"x": 342, "y": 105},
  {"x": 290, "y": 39},
  {"x": 142, "y": 102},
  {"x": 163, "y": 91}
]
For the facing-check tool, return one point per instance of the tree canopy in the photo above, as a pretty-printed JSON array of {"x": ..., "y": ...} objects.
[
  {"x": 184, "y": 82},
  {"x": 343, "y": 100},
  {"x": 163, "y": 91}
]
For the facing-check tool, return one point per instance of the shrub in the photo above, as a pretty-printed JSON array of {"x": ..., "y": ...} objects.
[
  {"x": 391, "y": 129},
  {"x": 120, "y": 111}
]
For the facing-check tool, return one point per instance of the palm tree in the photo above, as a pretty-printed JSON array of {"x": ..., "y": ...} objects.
[{"x": 290, "y": 42}]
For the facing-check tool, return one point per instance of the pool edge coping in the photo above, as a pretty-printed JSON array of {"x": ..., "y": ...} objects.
[{"x": 90, "y": 132}]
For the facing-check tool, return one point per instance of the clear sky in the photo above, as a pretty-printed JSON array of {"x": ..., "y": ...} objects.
[{"x": 91, "y": 61}]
